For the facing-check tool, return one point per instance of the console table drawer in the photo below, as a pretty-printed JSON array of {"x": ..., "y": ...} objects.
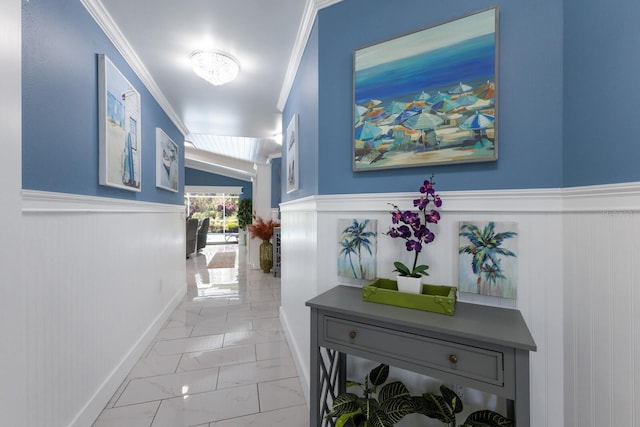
[{"x": 476, "y": 363}]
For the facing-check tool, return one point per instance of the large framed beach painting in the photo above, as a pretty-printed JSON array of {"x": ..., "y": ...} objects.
[
  {"x": 119, "y": 128},
  {"x": 428, "y": 97}
]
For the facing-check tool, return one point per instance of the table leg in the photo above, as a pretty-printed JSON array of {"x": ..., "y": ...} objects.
[{"x": 522, "y": 401}]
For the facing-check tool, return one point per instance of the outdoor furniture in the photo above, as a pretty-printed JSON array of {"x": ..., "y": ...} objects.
[
  {"x": 229, "y": 236},
  {"x": 192, "y": 235},
  {"x": 202, "y": 234}
]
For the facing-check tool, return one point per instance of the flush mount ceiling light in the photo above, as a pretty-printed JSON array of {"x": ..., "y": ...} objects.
[{"x": 215, "y": 67}]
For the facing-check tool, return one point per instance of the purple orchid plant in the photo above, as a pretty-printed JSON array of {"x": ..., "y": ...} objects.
[{"x": 412, "y": 227}]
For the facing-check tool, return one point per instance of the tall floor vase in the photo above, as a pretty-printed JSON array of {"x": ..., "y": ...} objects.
[{"x": 266, "y": 256}]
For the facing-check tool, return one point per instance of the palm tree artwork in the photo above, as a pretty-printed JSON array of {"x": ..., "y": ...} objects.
[
  {"x": 487, "y": 263},
  {"x": 357, "y": 244}
]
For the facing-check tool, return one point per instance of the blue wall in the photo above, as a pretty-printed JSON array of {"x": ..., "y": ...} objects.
[
  {"x": 303, "y": 100},
  {"x": 601, "y": 82},
  {"x": 530, "y": 95},
  {"x": 60, "y": 106},
  {"x": 529, "y": 99},
  {"x": 198, "y": 177}
]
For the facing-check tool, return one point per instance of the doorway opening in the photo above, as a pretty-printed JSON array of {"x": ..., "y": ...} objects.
[{"x": 222, "y": 211}]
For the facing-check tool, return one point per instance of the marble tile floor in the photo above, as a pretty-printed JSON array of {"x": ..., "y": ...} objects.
[{"x": 221, "y": 360}]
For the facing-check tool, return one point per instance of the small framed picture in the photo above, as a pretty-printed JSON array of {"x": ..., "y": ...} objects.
[
  {"x": 167, "y": 170},
  {"x": 292, "y": 154}
]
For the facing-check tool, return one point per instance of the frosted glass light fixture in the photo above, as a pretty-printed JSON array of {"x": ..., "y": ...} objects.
[{"x": 215, "y": 67}]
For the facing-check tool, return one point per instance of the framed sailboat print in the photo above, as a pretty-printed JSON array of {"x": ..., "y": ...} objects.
[{"x": 119, "y": 128}]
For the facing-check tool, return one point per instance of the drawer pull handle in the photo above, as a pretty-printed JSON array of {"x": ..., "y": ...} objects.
[
  {"x": 453, "y": 358},
  {"x": 352, "y": 334}
]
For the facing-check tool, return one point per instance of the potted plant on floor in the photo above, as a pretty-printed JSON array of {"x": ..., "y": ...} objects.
[
  {"x": 245, "y": 217},
  {"x": 393, "y": 401},
  {"x": 380, "y": 407},
  {"x": 264, "y": 230},
  {"x": 444, "y": 408}
]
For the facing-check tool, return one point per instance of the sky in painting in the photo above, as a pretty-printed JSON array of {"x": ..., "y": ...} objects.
[{"x": 423, "y": 41}]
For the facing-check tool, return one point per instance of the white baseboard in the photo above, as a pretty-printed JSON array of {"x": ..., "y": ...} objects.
[
  {"x": 297, "y": 357},
  {"x": 98, "y": 401}
]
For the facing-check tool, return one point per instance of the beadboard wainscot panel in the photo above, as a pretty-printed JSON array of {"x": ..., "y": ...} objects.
[
  {"x": 602, "y": 318},
  {"x": 103, "y": 275},
  {"x": 300, "y": 249},
  {"x": 538, "y": 214}
]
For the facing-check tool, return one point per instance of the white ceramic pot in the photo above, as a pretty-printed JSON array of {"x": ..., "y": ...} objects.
[{"x": 412, "y": 285}]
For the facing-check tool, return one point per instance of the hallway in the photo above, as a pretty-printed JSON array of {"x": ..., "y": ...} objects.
[{"x": 221, "y": 360}]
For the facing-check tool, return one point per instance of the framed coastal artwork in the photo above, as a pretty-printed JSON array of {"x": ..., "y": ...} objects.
[
  {"x": 167, "y": 172},
  {"x": 428, "y": 97},
  {"x": 119, "y": 128},
  {"x": 357, "y": 244},
  {"x": 488, "y": 260},
  {"x": 292, "y": 154}
]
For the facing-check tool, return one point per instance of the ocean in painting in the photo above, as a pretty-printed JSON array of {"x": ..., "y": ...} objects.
[{"x": 433, "y": 107}]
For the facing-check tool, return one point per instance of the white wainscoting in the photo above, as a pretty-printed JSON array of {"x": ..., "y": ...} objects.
[
  {"x": 602, "y": 311},
  {"x": 102, "y": 276},
  {"x": 576, "y": 277}
]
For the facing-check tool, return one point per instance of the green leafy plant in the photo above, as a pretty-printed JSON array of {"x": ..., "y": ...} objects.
[
  {"x": 445, "y": 407},
  {"x": 385, "y": 405},
  {"x": 245, "y": 215},
  {"x": 383, "y": 408},
  {"x": 412, "y": 227}
]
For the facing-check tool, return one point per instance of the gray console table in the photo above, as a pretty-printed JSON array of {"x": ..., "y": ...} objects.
[{"x": 486, "y": 348}]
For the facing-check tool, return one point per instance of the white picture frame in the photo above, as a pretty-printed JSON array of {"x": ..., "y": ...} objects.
[
  {"x": 167, "y": 162},
  {"x": 292, "y": 155},
  {"x": 119, "y": 129}
]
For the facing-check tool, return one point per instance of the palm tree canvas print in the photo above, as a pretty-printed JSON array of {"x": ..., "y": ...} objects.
[
  {"x": 357, "y": 242},
  {"x": 487, "y": 264}
]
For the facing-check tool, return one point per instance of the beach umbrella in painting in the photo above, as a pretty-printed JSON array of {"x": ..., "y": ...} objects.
[
  {"x": 395, "y": 107},
  {"x": 459, "y": 88},
  {"x": 370, "y": 103},
  {"x": 374, "y": 114},
  {"x": 422, "y": 121},
  {"x": 466, "y": 100},
  {"x": 360, "y": 110},
  {"x": 405, "y": 115},
  {"x": 367, "y": 131},
  {"x": 486, "y": 91},
  {"x": 424, "y": 96},
  {"x": 478, "y": 121},
  {"x": 444, "y": 106},
  {"x": 438, "y": 97},
  {"x": 415, "y": 106}
]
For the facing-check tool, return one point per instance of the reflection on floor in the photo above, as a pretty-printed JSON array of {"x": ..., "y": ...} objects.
[{"x": 220, "y": 361}]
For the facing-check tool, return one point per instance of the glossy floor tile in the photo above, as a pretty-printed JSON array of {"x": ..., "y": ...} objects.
[{"x": 221, "y": 360}]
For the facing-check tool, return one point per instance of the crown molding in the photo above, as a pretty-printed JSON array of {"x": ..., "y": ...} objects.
[
  {"x": 98, "y": 12},
  {"x": 304, "y": 31}
]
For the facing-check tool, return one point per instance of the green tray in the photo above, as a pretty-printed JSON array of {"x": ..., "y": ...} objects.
[{"x": 438, "y": 299}]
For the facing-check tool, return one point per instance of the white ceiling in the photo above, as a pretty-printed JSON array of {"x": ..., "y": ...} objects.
[{"x": 238, "y": 121}]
